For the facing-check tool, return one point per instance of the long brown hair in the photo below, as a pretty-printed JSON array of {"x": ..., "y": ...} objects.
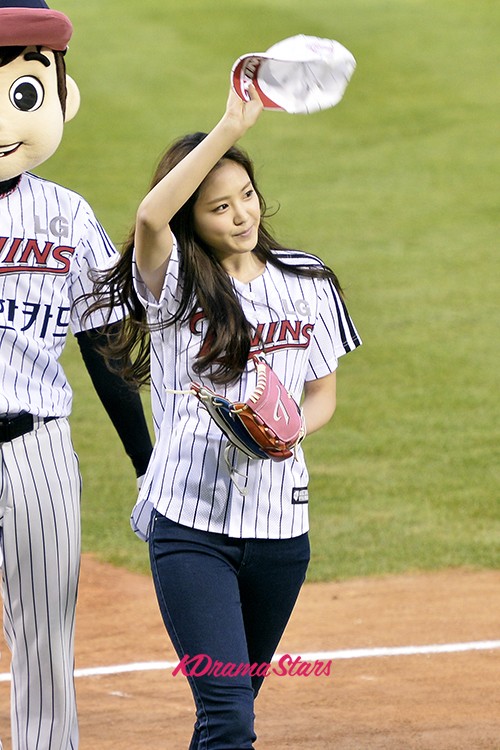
[{"x": 205, "y": 286}]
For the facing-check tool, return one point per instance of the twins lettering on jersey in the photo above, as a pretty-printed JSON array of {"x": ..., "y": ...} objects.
[
  {"x": 276, "y": 334},
  {"x": 19, "y": 254},
  {"x": 282, "y": 334}
]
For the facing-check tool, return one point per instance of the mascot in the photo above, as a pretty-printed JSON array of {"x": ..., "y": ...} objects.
[{"x": 50, "y": 241}]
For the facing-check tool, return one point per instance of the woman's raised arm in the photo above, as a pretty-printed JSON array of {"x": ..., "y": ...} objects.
[{"x": 153, "y": 239}]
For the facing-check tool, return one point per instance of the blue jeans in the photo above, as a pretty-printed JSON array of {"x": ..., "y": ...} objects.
[{"x": 224, "y": 600}]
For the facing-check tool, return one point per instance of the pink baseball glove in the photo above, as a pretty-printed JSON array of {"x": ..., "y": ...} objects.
[{"x": 269, "y": 424}]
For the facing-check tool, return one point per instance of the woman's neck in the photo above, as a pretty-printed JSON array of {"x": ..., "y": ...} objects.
[{"x": 245, "y": 268}]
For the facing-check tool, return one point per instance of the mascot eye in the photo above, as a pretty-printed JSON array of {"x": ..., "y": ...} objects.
[{"x": 26, "y": 94}]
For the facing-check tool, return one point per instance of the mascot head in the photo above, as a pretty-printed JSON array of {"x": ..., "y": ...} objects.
[{"x": 36, "y": 95}]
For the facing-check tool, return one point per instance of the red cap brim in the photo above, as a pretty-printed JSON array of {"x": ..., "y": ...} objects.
[
  {"x": 26, "y": 27},
  {"x": 244, "y": 71}
]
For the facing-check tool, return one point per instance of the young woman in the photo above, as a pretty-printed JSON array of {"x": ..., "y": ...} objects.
[{"x": 206, "y": 280}]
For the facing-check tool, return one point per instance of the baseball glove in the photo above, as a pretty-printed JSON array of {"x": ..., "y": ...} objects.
[{"x": 269, "y": 424}]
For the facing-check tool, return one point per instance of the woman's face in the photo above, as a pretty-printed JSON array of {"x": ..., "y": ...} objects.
[{"x": 227, "y": 211}]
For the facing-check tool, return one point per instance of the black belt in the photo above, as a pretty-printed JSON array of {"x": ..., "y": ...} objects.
[{"x": 14, "y": 427}]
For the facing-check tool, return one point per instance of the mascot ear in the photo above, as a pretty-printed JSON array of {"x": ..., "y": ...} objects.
[{"x": 72, "y": 99}]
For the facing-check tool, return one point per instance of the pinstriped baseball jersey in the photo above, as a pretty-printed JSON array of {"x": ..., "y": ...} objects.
[
  {"x": 49, "y": 240},
  {"x": 303, "y": 327}
]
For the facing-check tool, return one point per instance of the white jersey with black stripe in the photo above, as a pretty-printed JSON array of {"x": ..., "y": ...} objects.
[
  {"x": 303, "y": 327},
  {"x": 49, "y": 241}
]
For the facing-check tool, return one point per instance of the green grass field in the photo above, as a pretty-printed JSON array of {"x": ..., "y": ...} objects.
[{"x": 396, "y": 188}]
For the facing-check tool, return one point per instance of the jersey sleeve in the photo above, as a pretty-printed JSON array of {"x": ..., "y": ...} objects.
[
  {"x": 167, "y": 299},
  {"x": 94, "y": 252},
  {"x": 334, "y": 332}
]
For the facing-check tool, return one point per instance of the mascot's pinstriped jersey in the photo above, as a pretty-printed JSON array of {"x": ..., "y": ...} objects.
[
  {"x": 49, "y": 241},
  {"x": 302, "y": 328}
]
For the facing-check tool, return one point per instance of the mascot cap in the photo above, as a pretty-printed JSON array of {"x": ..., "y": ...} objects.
[
  {"x": 26, "y": 23},
  {"x": 299, "y": 74}
]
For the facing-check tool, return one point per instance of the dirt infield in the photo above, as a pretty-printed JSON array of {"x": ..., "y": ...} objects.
[{"x": 438, "y": 701}]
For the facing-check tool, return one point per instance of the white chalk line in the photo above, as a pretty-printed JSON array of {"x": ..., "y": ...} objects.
[{"x": 358, "y": 653}]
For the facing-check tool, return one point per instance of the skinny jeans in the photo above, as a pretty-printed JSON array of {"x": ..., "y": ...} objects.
[{"x": 224, "y": 600}]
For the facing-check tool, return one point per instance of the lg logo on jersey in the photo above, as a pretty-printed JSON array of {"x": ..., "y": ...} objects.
[
  {"x": 301, "y": 307},
  {"x": 58, "y": 226}
]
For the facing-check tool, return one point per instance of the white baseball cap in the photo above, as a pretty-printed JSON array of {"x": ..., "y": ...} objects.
[{"x": 300, "y": 74}]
